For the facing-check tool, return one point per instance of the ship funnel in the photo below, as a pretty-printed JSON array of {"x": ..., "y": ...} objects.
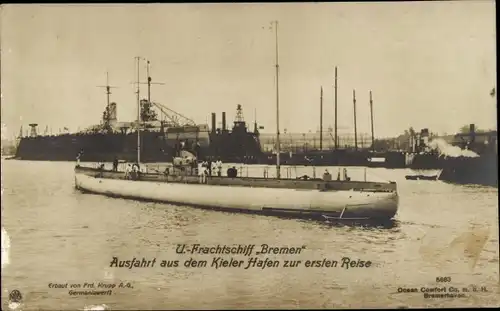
[
  {"x": 424, "y": 136},
  {"x": 223, "y": 121},
  {"x": 214, "y": 126}
]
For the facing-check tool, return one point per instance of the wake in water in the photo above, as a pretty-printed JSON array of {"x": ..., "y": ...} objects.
[{"x": 447, "y": 150}]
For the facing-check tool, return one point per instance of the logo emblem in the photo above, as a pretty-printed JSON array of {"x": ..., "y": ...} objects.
[{"x": 15, "y": 296}]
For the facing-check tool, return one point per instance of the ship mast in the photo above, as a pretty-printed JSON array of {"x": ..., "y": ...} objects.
[
  {"x": 371, "y": 116},
  {"x": 355, "y": 125},
  {"x": 149, "y": 88},
  {"x": 321, "y": 120},
  {"x": 108, "y": 90},
  {"x": 335, "y": 86},
  {"x": 278, "y": 151},
  {"x": 138, "y": 112}
]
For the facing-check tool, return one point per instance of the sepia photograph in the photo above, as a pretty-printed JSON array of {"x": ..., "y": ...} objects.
[{"x": 306, "y": 155}]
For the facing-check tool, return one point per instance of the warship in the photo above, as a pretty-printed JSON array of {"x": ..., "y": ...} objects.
[{"x": 163, "y": 131}]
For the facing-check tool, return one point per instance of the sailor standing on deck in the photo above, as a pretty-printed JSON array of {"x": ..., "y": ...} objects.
[
  {"x": 115, "y": 164},
  {"x": 327, "y": 176},
  {"x": 346, "y": 178},
  {"x": 203, "y": 174},
  {"x": 128, "y": 169},
  {"x": 219, "y": 168},
  {"x": 200, "y": 171},
  {"x": 209, "y": 167}
]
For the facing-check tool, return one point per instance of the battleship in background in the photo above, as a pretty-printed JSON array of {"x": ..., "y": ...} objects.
[{"x": 162, "y": 138}]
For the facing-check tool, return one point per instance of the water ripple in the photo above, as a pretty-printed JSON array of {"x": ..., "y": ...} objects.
[{"x": 58, "y": 234}]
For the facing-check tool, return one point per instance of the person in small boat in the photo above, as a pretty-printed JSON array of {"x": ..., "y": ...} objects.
[
  {"x": 327, "y": 176},
  {"x": 115, "y": 165},
  {"x": 338, "y": 175}
]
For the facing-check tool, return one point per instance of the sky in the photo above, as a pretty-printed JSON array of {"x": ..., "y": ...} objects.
[{"x": 429, "y": 65}]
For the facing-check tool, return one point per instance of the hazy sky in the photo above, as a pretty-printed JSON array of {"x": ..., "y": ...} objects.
[{"x": 428, "y": 64}]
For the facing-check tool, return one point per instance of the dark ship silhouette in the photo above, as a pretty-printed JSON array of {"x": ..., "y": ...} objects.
[
  {"x": 481, "y": 169},
  {"x": 161, "y": 138},
  {"x": 476, "y": 163}
]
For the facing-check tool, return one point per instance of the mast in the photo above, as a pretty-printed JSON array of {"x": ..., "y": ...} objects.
[
  {"x": 149, "y": 83},
  {"x": 371, "y": 114},
  {"x": 255, "y": 127},
  {"x": 335, "y": 86},
  {"x": 138, "y": 112},
  {"x": 321, "y": 120},
  {"x": 108, "y": 90},
  {"x": 355, "y": 127},
  {"x": 278, "y": 147}
]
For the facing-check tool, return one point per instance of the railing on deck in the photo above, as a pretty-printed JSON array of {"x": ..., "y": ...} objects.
[{"x": 255, "y": 171}]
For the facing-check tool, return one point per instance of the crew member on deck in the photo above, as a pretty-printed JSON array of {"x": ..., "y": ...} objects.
[
  {"x": 327, "y": 176},
  {"x": 203, "y": 175},
  {"x": 219, "y": 168},
  {"x": 200, "y": 169},
  {"x": 128, "y": 169},
  {"x": 201, "y": 172},
  {"x": 232, "y": 172},
  {"x": 135, "y": 171},
  {"x": 346, "y": 178},
  {"x": 115, "y": 164}
]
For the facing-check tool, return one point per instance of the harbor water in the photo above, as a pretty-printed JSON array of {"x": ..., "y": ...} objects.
[{"x": 52, "y": 233}]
